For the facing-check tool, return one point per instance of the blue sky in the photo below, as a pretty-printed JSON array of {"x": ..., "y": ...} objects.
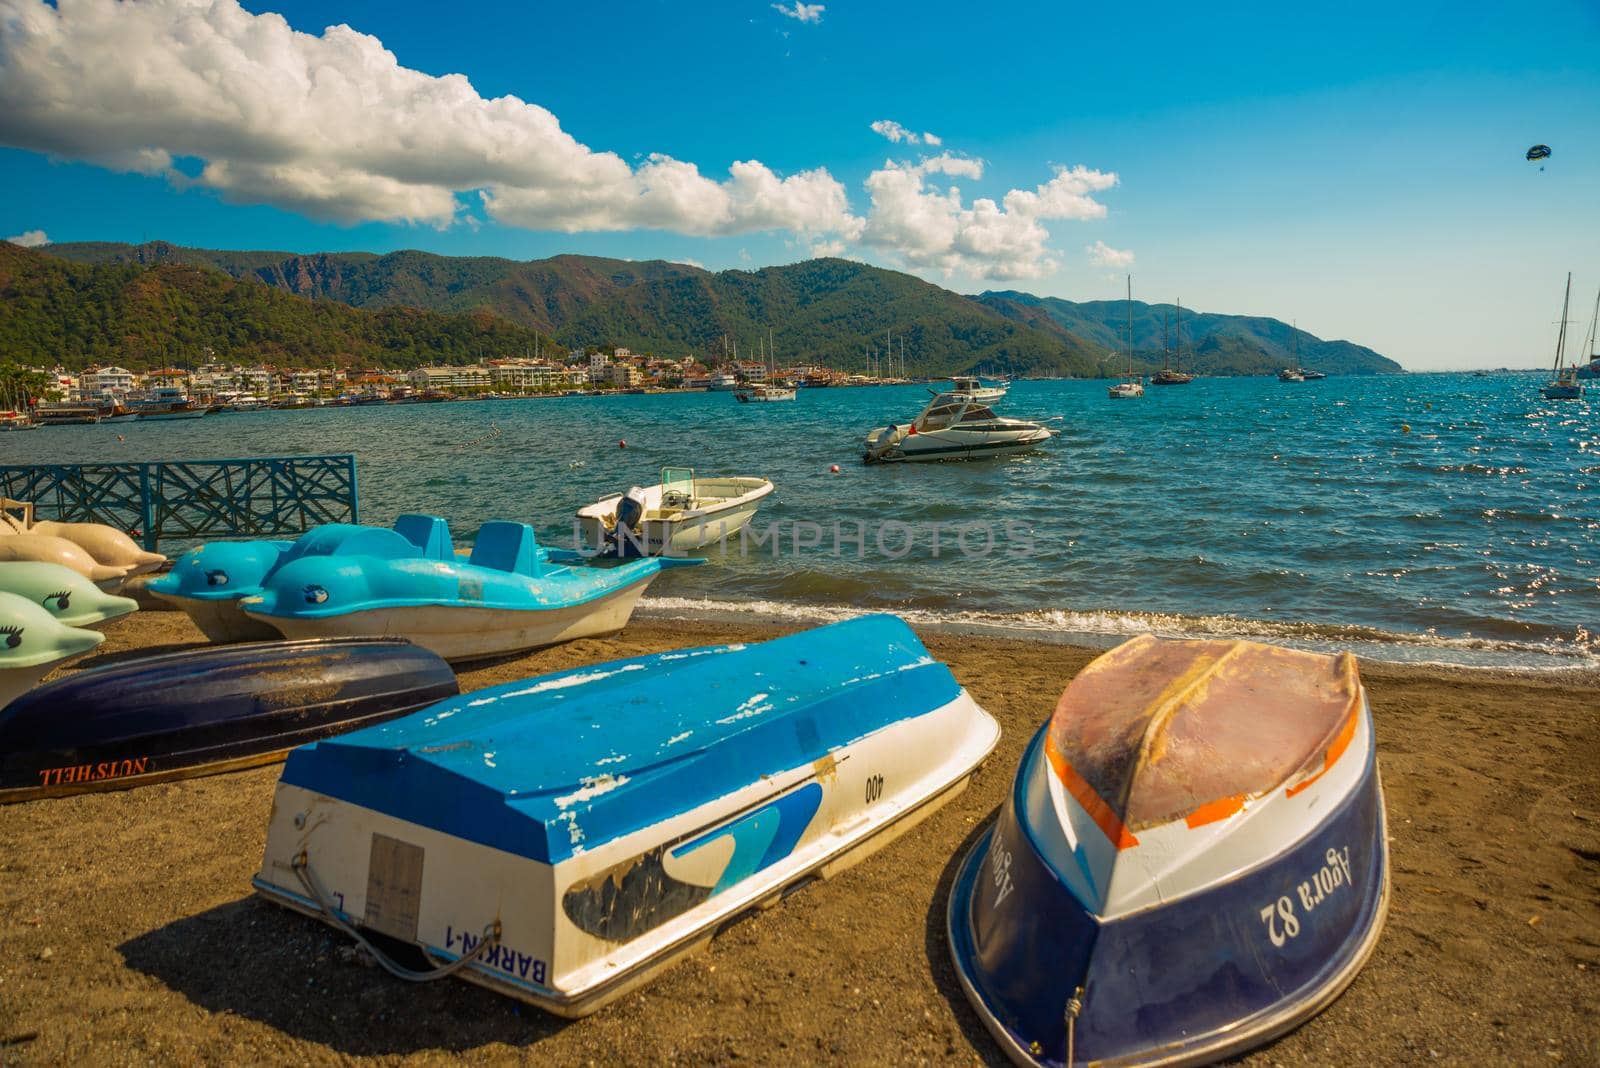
[{"x": 1361, "y": 173}]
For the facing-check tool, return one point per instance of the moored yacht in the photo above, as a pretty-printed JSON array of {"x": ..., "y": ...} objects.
[
  {"x": 166, "y": 402},
  {"x": 1133, "y": 384},
  {"x": 954, "y": 426}
]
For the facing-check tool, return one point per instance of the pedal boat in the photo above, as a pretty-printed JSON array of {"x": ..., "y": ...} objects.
[
  {"x": 956, "y": 425},
  {"x": 105, "y": 544},
  {"x": 208, "y": 581},
  {"x": 204, "y": 711},
  {"x": 32, "y": 643},
  {"x": 50, "y": 549},
  {"x": 564, "y": 838},
  {"x": 511, "y": 595},
  {"x": 72, "y": 599},
  {"x": 1190, "y": 863},
  {"x": 682, "y": 514}
]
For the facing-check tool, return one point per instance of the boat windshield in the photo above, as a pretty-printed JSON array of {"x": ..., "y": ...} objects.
[
  {"x": 977, "y": 413},
  {"x": 941, "y": 413}
]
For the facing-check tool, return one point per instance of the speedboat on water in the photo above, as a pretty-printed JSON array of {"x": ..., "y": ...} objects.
[
  {"x": 682, "y": 514},
  {"x": 1190, "y": 862},
  {"x": 209, "y": 580},
  {"x": 954, "y": 426},
  {"x": 511, "y": 595},
  {"x": 562, "y": 839},
  {"x": 204, "y": 711}
]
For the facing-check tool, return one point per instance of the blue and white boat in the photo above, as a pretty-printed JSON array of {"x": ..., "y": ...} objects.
[
  {"x": 1191, "y": 861},
  {"x": 511, "y": 595},
  {"x": 563, "y": 838},
  {"x": 208, "y": 581}
]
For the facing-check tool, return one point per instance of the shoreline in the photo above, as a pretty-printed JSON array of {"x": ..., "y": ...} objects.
[
  {"x": 132, "y": 933},
  {"x": 1099, "y": 630}
]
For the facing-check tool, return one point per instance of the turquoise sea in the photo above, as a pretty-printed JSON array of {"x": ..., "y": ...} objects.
[{"x": 1302, "y": 513}]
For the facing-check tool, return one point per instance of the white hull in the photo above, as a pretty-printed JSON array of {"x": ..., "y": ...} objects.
[
  {"x": 909, "y": 768},
  {"x": 939, "y": 445},
  {"x": 463, "y": 633},
  {"x": 723, "y": 507},
  {"x": 223, "y": 620}
]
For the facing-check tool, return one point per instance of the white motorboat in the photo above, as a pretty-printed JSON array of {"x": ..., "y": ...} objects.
[
  {"x": 975, "y": 388},
  {"x": 680, "y": 515},
  {"x": 954, "y": 426},
  {"x": 758, "y": 394}
]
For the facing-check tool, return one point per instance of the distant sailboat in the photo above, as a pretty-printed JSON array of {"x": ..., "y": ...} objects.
[
  {"x": 1565, "y": 384},
  {"x": 1173, "y": 376},
  {"x": 1132, "y": 385},
  {"x": 1292, "y": 372},
  {"x": 1592, "y": 368}
]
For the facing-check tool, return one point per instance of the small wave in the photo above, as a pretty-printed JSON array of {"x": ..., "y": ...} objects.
[{"x": 1106, "y": 628}]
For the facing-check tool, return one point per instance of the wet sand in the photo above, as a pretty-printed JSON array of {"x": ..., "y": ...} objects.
[{"x": 128, "y": 932}]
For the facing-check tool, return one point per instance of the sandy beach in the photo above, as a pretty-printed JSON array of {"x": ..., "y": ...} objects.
[{"x": 130, "y": 933}]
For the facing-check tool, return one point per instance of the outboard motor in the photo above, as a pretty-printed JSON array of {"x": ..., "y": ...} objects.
[{"x": 627, "y": 539}]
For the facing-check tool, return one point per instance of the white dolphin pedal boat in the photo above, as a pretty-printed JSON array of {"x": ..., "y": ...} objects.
[
  {"x": 682, "y": 514},
  {"x": 561, "y": 839}
]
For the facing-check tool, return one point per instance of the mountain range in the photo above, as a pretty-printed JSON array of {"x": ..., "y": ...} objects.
[{"x": 453, "y": 309}]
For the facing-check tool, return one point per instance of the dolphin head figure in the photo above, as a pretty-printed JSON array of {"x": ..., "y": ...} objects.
[
  {"x": 72, "y": 599},
  {"x": 32, "y": 641}
]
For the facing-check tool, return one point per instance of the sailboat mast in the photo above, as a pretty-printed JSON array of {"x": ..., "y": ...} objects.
[
  {"x": 1561, "y": 336},
  {"x": 1130, "y": 326},
  {"x": 1180, "y": 335},
  {"x": 1593, "y": 320}
]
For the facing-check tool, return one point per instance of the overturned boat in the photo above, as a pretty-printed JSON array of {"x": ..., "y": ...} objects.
[
  {"x": 204, "y": 711},
  {"x": 208, "y": 581},
  {"x": 511, "y": 595},
  {"x": 1191, "y": 861},
  {"x": 563, "y": 838},
  {"x": 682, "y": 514}
]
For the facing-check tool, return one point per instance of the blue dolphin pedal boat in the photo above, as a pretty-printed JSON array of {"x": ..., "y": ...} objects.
[
  {"x": 561, "y": 839},
  {"x": 205, "y": 710},
  {"x": 512, "y": 595},
  {"x": 209, "y": 580},
  {"x": 1191, "y": 861}
]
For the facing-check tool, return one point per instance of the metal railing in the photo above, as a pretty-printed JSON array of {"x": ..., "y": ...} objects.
[{"x": 186, "y": 500}]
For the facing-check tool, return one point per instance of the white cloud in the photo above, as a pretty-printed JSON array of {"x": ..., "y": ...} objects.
[
  {"x": 29, "y": 239},
  {"x": 209, "y": 95},
  {"x": 803, "y": 12},
  {"x": 333, "y": 127},
  {"x": 932, "y": 227},
  {"x": 897, "y": 133},
  {"x": 1103, "y": 255}
]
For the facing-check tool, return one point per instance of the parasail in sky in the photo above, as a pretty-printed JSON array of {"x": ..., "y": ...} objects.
[{"x": 1538, "y": 154}]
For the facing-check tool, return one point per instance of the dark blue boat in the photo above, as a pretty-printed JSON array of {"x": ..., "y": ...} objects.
[
  {"x": 206, "y": 711},
  {"x": 1191, "y": 862}
]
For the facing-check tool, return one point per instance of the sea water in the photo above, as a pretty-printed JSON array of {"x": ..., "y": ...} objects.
[{"x": 1438, "y": 517}]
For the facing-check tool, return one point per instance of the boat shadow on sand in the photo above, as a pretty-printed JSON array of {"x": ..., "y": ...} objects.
[
  {"x": 255, "y": 960},
  {"x": 937, "y": 945}
]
